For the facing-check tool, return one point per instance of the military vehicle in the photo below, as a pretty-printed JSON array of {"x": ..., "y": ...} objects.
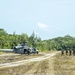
[
  {"x": 24, "y": 49},
  {"x": 34, "y": 50}
]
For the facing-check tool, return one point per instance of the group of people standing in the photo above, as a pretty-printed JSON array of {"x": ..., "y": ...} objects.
[{"x": 68, "y": 52}]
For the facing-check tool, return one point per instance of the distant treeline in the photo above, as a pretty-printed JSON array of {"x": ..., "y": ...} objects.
[{"x": 60, "y": 43}]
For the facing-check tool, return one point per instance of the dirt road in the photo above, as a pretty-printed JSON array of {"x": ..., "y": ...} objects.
[
  {"x": 21, "y": 62},
  {"x": 34, "y": 66}
]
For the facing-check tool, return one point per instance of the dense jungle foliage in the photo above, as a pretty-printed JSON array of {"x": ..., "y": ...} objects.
[{"x": 60, "y": 43}]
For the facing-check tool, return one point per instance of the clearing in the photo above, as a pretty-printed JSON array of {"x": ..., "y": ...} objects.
[{"x": 41, "y": 64}]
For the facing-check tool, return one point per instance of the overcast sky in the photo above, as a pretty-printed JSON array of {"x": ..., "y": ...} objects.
[{"x": 47, "y": 18}]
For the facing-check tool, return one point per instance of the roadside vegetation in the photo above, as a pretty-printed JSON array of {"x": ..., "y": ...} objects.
[{"x": 2, "y": 52}]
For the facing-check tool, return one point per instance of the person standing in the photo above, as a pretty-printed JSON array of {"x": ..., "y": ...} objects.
[
  {"x": 62, "y": 52},
  {"x": 28, "y": 51},
  {"x": 66, "y": 52},
  {"x": 70, "y": 52},
  {"x": 73, "y": 52}
]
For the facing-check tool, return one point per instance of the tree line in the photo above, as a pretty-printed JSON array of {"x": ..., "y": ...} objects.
[{"x": 60, "y": 43}]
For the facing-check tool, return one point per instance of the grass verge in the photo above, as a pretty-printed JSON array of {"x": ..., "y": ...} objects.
[{"x": 64, "y": 65}]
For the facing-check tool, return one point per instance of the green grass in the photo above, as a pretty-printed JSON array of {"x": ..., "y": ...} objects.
[
  {"x": 64, "y": 65},
  {"x": 2, "y": 52}
]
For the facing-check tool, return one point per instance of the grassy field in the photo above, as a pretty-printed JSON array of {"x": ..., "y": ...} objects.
[
  {"x": 33, "y": 68},
  {"x": 64, "y": 65},
  {"x": 56, "y": 65},
  {"x": 14, "y": 57},
  {"x": 2, "y": 52}
]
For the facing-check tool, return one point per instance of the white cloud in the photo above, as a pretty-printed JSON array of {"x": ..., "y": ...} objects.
[
  {"x": 45, "y": 27},
  {"x": 42, "y": 26}
]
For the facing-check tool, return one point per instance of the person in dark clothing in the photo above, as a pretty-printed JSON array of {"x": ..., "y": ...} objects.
[
  {"x": 73, "y": 52},
  {"x": 70, "y": 52},
  {"x": 28, "y": 51},
  {"x": 66, "y": 52},
  {"x": 62, "y": 52}
]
